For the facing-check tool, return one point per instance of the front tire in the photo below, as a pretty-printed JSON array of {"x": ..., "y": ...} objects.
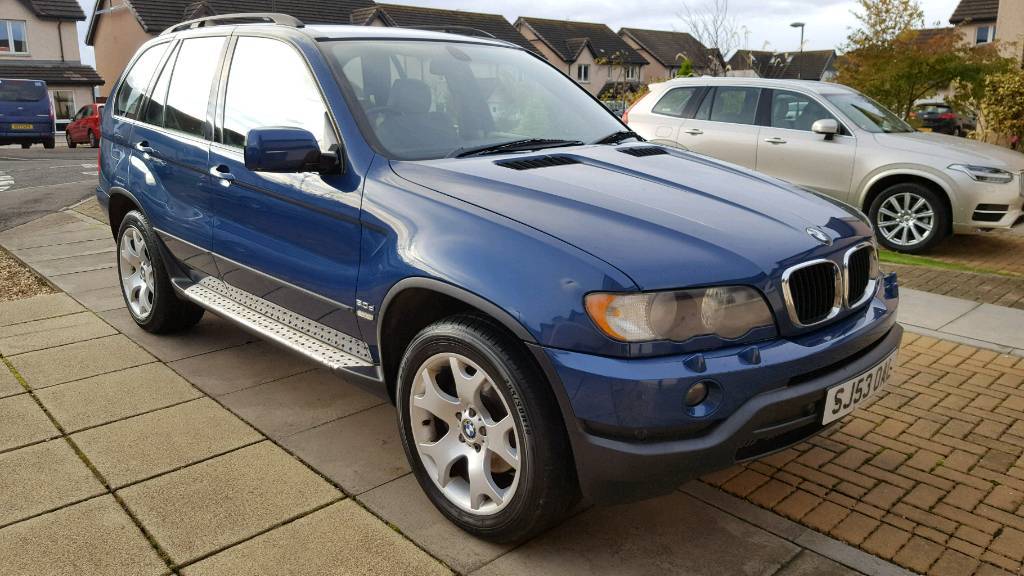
[
  {"x": 145, "y": 284},
  {"x": 909, "y": 217},
  {"x": 94, "y": 142},
  {"x": 482, "y": 431},
  {"x": 71, "y": 143},
  {"x": 26, "y": 146}
]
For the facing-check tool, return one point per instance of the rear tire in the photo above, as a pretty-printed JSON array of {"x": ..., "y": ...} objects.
[
  {"x": 145, "y": 283},
  {"x": 909, "y": 217},
  {"x": 49, "y": 144},
  {"x": 25, "y": 146},
  {"x": 504, "y": 469}
]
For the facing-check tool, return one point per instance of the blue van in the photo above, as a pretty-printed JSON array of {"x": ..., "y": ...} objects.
[
  {"x": 26, "y": 114},
  {"x": 557, "y": 309}
]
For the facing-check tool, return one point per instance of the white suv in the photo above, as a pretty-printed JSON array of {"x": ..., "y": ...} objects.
[{"x": 916, "y": 187}]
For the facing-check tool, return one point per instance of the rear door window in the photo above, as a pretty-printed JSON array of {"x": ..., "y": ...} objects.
[
  {"x": 133, "y": 88},
  {"x": 188, "y": 94},
  {"x": 675, "y": 101},
  {"x": 735, "y": 104}
]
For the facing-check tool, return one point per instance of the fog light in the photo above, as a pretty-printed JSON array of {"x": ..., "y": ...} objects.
[{"x": 696, "y": 394}]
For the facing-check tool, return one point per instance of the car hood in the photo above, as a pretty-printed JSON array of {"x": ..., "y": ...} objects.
[
  {"x": 667, "y": 220},
  {"x": 953, "y": 149}
]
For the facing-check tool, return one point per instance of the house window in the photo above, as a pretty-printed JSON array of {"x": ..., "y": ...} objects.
[
  {"x": 632, "y": 72},
  {"x": 13, "y": 38},
  {"x": 583, "y": 73},
  {"x": 985, "y": 34},
  {"x": 63, "y": 108}
]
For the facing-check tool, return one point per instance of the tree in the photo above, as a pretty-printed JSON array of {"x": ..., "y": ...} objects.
[
  {"x": 1002, "y": 105},
  {"x": 685, "y": 67},
  {"x": 882, "y": 22},
  {"x": 712, "y": 25}
]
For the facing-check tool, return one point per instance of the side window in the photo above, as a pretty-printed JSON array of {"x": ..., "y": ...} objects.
[
  {"x": 795, "y": 111},
  {"x": 270, "y": 85},
  {"x": 735, "y": 105},
  {"x": 134, "y": 85},
  {"x": 674, "y": 102},
  {"x": 188, "y": 94},
  {"x": 152, "y": 112},
  {"x": 704, "y": 111}
]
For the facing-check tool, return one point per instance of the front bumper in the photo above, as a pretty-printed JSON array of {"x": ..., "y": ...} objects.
[
  {"x": 984, "y": 206},
  {"x": 632, "y": 436}
]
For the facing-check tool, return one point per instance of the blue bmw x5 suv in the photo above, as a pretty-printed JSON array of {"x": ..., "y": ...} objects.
[{"x": 559, "y": 310}]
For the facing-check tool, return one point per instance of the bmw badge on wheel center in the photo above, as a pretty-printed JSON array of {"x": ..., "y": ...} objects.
[{"x": 558, "y": 310}]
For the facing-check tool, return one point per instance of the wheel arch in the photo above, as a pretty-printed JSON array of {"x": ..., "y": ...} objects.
[
  {"x": 883, "y": 180},
  {"x": 414, "y": 303},
  {"x": 121, "y": 203}
]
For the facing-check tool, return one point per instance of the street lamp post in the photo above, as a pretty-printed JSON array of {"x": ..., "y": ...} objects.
[{"x": 800, "y": 66}]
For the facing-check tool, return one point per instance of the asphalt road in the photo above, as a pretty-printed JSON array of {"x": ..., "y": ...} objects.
[{"x": 37, "y": 181}]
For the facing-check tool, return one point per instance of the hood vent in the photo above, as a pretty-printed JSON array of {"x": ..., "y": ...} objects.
[
  {"x": 537, "y": 162},
  {"x": 640, "y": 151}
]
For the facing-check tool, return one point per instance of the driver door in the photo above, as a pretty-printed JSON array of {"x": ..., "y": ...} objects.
[{"x": 291, "y": 239}]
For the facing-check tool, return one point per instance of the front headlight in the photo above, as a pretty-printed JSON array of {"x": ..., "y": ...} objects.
[
  {"x": 728, "y": 312},
  {"x": 984, "y": 173}
]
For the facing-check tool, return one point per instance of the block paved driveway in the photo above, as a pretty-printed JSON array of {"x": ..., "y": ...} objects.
[{"x": 214, "y": 453}]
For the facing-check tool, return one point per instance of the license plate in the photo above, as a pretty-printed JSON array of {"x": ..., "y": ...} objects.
[
  {"x": 846, "y": 397},
  {"x": 21, "y": 126},
  {"x": 923, "y": 129}
]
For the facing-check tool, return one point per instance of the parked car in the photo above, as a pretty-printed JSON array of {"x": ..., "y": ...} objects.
[
  {"x": 85, "y": 127},
  {"x": 940, "y": 117},
  {"x": 916, "y": 188},
  {"x": 557, "y": 309},
  {"x": 26, "y": 113}
]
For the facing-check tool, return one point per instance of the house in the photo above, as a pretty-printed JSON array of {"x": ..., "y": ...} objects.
[
  {"x": 119, "y": 27},
  {"x": 456, "y": 21},
  {"x": 984, "y": 21},
  {"x": 39, "y": 41},
  {"x": 806, "y": 65},
  {"x": 592, "y": 54},
  {"x": 665, "y": 51}
]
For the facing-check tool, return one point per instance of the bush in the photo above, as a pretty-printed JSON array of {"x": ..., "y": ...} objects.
[{"x": 1003, "y": 105}]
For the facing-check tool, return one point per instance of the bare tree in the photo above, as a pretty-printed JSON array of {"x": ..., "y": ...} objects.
[{"x": 711, "y": 24}]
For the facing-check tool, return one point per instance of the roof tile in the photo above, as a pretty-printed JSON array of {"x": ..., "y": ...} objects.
[{"x": 567, "y": 37}]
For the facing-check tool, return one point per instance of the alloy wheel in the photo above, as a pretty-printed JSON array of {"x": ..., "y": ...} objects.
[
  {"x": 136, "y": 268},
  {"x": 465, "y": 434},
  {"x": 906, "y": 219}
]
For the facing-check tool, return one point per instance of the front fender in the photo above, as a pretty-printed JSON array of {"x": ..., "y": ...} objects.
[
  {"x": 529, "y": 280},
  {"x": 935, "y": 176}
]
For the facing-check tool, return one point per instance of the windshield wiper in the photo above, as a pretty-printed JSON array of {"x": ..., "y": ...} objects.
[
  {"x": 616, "y": 137},
  {"x": 513, "y": 146}
]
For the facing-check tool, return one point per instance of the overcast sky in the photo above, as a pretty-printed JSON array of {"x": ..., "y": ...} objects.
[{"x": 766, "y": 21}]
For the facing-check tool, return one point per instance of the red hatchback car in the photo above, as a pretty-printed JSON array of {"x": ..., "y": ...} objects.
[{"x": 85, "y": 127}]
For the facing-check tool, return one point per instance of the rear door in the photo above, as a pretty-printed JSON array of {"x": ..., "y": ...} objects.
[
  {"x": 291, "y": 239},
  {"x": 724, "y": 125},
  {"x": 170, "y": 147},
  {"x": 670, "y": 112},
  {"x": 787, "y": 148}
]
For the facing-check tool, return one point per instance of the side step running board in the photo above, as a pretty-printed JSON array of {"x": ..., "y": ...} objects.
[{"x": 272, "y": 322}]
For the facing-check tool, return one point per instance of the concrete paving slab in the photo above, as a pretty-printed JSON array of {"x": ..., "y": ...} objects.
[
  {"x": 675, "y": 534},
  {"x": 47, "y": 253},
  {"x": 211, "y": 334},
  {"x": 810, "y": 564},
  {"x": 23, "y": 422},
  {"x": 80, "y": 360},
  {"x": 94, "y": 537},
  {"x": 996, "y": 324},
  {"x": 403, "y": 504},
  {"x": 52, "y": 332},
  {"x": 296, "y": 403},
  {"x": 141, "y": 447},
  {"x": 74, "y": 264},
  {"x": 40, "y": 478},
  {"x": 101, "y": 299},
  {"x": 67, "y": 234},
  {"x": 359, "y": 452},
  {"x": 108, "y": 397},
  {"x": 80, "y": 282},
  {"x": 40, "y": 224},
  {"x": 932, "y": 311},
  {"x": 340, "y": 539},
  {"x": 37, "y": 308},
  {"x": 240, "y": 367},
  {"x": 220, "y": 502},
  {"x": 9, "y": 385}
]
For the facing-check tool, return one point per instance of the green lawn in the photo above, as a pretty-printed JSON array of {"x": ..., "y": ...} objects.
[{"x": 911, "y": 260}]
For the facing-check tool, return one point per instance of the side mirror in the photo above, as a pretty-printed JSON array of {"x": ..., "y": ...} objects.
[
  {"x": 280, "y": 149},
  {"x": 827, "y": 126}
]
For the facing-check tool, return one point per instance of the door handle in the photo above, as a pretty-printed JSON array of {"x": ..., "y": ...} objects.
[
  {"x": 143, "y": 146},
  {"x": 775, "y": 140},
  {"x": 694, "y": 131},
  {"x": 223, "y": 174}
]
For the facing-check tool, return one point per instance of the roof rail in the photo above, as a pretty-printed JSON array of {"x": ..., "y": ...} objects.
[
  {"x": 455, "y": 30},
  {"x": 242, "y": 17}
]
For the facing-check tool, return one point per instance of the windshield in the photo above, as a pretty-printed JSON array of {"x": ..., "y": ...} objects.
[
  {"x": 868, "y": 114},
  {"x": 22, "y": 90},
  {"x": 418, "y": 100}
]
